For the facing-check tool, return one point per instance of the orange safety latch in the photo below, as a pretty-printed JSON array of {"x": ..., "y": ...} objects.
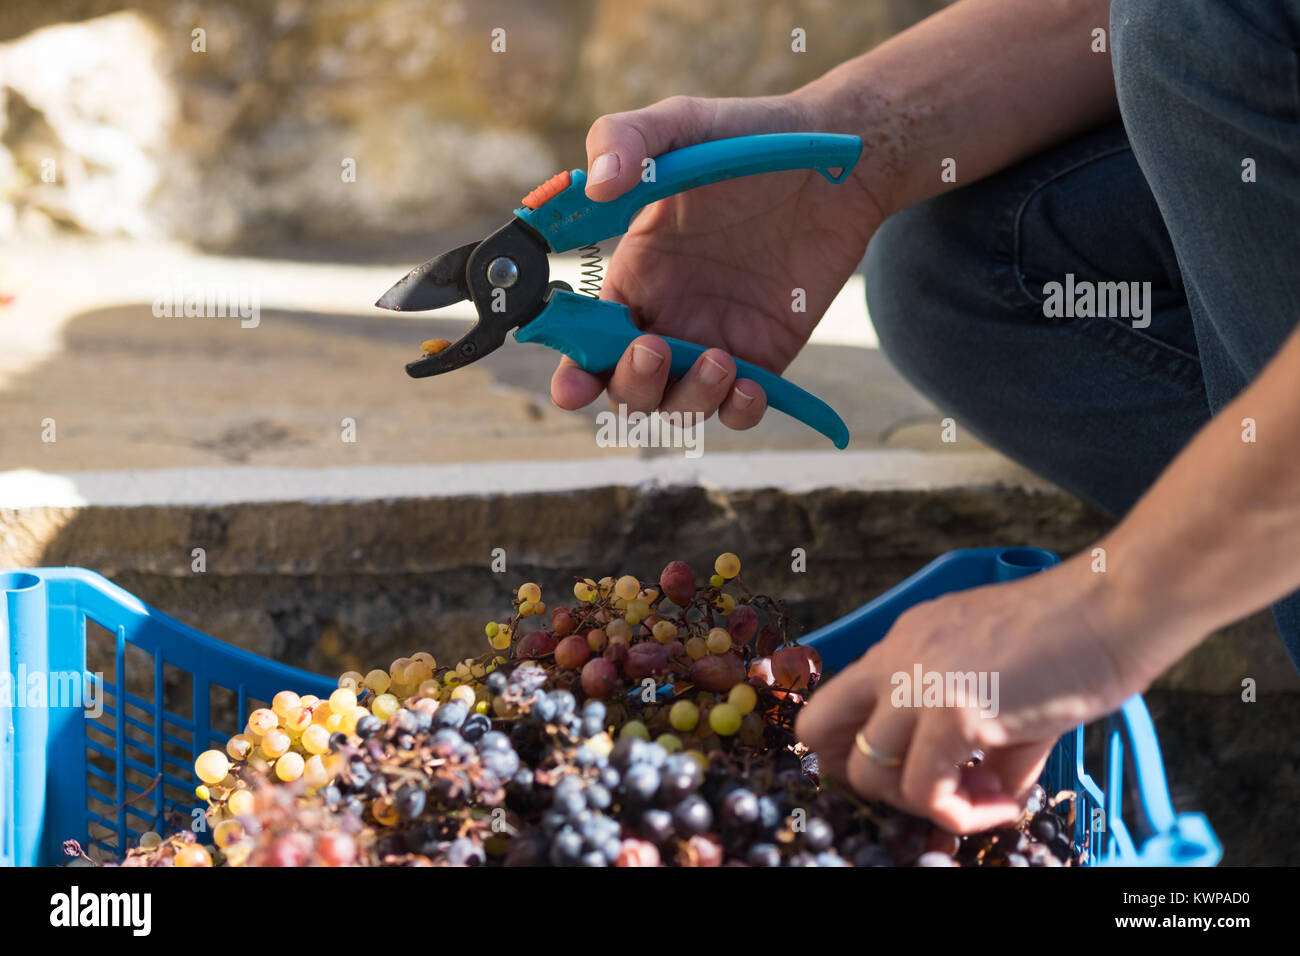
[{"x": 548, "y": 190}]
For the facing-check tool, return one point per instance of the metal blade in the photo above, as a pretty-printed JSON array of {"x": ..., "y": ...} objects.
[{"x": 432, "y": 285}]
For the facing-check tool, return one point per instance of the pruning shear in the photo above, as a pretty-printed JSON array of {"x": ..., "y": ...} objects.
[{"x": 507, "y": 276}]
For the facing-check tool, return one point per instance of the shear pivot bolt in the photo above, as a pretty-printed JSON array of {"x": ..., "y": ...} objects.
[{"x": 502, "y": 272}]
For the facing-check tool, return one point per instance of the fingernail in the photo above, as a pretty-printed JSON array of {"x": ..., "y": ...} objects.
[
  {"x": 645, "y": 361},
  {"x": 603, "y": 168},
  {"x": 742, "y": 400},
  {"x": 712, "y": 372}
]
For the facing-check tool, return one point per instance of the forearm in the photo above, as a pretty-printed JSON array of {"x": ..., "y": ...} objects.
[
  {"x": 1217, "y": 537},
  {"x": 984, "y": 82}
]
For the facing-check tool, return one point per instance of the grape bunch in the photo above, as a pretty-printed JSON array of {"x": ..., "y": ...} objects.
[{"x": 640, "y": 724}]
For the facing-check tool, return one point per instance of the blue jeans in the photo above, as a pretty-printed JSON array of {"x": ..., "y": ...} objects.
[{"x": 956, "y": 285}]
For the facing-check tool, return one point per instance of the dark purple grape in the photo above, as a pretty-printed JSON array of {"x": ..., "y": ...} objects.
[
  {"x": 763, "y": 854},
  {"x": 692, "y": 816},
  {"x": 739, "y": 809}
]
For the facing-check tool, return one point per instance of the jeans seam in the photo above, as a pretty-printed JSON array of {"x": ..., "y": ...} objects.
[
  {"x": 1155, "y": 356},
  {"x": 1019, "y": 214}
]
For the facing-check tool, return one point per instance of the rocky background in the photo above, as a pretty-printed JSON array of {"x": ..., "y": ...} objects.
[{"x": 113, "y": 121}]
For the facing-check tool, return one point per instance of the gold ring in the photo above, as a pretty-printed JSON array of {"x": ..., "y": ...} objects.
[{"x": 872, "y": 753}]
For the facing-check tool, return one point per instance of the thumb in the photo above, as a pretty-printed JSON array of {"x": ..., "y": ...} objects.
[{"x": 619, "y": 143}]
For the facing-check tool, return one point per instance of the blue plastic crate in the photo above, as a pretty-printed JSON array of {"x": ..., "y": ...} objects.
[{"x": 65, "y": 774}]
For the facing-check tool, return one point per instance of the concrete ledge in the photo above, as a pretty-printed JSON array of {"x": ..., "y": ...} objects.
[
  {"x": 797, "y": 474},
  {"x": 336, "y": 567}
]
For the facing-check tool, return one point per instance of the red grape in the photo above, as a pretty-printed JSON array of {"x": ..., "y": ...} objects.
[
  {"x": 337, "y": 849},
  {"x": 599, "y": 678},
  {"x": 718, "y": 672},
  {"x": 638, "y": 853},
  {"x": 792, "y": 668},
  {"x": 562, "y": 622},
  {"x": 616, "y": 654},
  {"x": 597, "y": 639},
  {"x": 677, "y": 581},
  {"x": 645, "y": 659},
  {"x": 769, "y": 639},
  {"x": 536, "y": 644},
  {"x": 707, "y": 851},
  {"x": 742, "y": 623},
  {"x": 572, "y": 652}
]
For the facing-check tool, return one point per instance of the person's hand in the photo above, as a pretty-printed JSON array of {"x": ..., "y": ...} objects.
[
  {"x": 717, "y": 265},
  {"x": 1061, "y": 655}
]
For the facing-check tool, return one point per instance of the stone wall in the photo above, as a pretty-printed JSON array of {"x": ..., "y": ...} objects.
[{"x": 244, "y": 144}]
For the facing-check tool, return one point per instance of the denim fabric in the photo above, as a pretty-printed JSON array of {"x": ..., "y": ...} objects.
[{"x": 955, "y": 285}]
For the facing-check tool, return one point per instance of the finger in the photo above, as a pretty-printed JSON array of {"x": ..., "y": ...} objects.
[
  {"x": 934, "y": 785},
  {"x": 641, "y": 375},
  {"x": 705, "y": 386},
  {"x": 744, "y": 405},
  {"x": 889, "y": 733},
  {"x": 834, "y": 715},
  {"x": 618, "y": 143},
  {"x": 1017, "y": 768},
  {"x": 571, "y": 387}
]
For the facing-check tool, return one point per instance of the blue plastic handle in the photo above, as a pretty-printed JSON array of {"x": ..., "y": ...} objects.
[
  {"x": 569, "y": 219},
  {"x": 595, "y": 334}
]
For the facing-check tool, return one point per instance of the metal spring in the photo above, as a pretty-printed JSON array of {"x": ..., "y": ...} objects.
[{"x": 592, "y": 271}]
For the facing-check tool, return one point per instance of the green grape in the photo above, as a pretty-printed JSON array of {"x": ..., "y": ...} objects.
[
  {"x": 724, "y": 719},
  {"x": 289, "y": 766},
  {"x": 717, "y": 580},
  {"x": 274, "y": 744},
  {"x": 718, "y": 641},
  {"x": 743, "y": 698},
  {"x": 227, "y": 832},
  {"x": 212, "y": 766},
  {"x": 241, "y": 802},
  {"x": 670, "y": 742},
  {"x": 314, "y": 772},
  {"x": 343, "y": 700},
  {"x": 627, "y": 587},
  {"x": 384, "y": 706},
  {"x": 697, "y": 647},
  {"x": 684, "y": 716},
  {"x": 286, "y": 703},
  {"x": 239, "y": 746},
  {"x": 316, "y": 739},
  {"x": 727, "y": 565},
  {"x": 664, "y": 631},
  {"x": 378, "y": 681},
  {"x": 530, "y": 593},
  {"x": 491, "y": 629},
  {"x": 634, "y": 728},
  {"x": 352, "y": 680},
  {"x": 262, "y": 720}
]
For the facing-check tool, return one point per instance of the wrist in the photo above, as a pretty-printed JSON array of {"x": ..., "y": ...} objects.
[
  {"x": 1135, "y": 608},
  {"x": 844, "y": 102}
]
